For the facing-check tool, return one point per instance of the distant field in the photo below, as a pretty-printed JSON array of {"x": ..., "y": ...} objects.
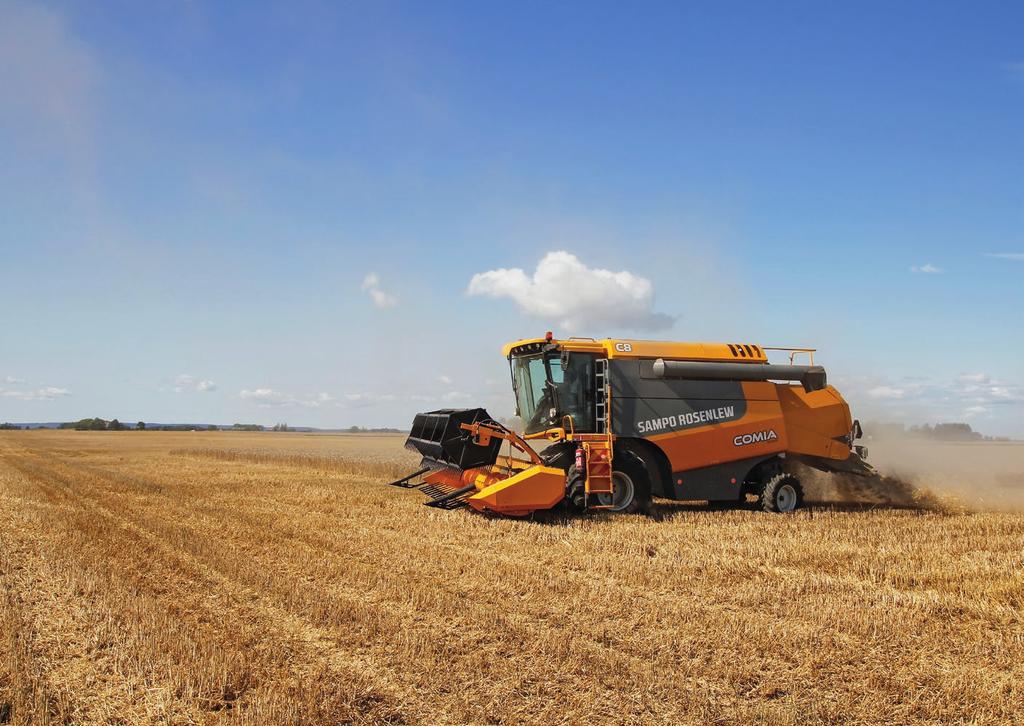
[{"x": 273, "y": 578}]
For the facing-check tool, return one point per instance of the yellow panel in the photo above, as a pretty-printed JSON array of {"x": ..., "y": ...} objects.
[
  {"x": 684, "y": 351},
  {"x": 539, "y": 487},
  {"x": 814, "y": 420},
  {"x": 735, "y": 352}
]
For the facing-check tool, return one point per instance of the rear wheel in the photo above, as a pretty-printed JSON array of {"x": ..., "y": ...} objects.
[{"x": 782, "y": 493}]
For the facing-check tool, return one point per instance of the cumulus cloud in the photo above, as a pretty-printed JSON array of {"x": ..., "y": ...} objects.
[
  {"x": 382, "y": 299},
  {"x": 12, "y": 379},
  {"x": 1015, "y": 256},
  {"x": 47, "y": 393},
  {"x": 184, "y": 382},
  {"x": 968, "y": 395},
  {"x": 445, "y": 380},
  {"x": 274, "y": 398},
  {"x": 926, "y": 269},
  {"x": 886, "y": 392},
  {"x": 361, "y": 400},
  {"x": 265, "y": 397},
  {"x": 563, "y": 289},
  {"x": 271, "y": 398}
]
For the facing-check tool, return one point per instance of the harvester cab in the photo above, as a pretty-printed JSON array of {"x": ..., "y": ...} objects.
[{"x": 623, "y": 420}]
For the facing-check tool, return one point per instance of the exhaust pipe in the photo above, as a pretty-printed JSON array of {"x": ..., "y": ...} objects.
[{"x": 811, "y": 377}]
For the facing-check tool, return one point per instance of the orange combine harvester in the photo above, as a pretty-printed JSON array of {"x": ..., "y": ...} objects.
[{"x": 625, "y": 420}]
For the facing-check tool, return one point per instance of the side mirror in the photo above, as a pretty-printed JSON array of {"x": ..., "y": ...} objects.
[
  {"x": 564, "y": 360},
  {"x": 515, "y": 389}
]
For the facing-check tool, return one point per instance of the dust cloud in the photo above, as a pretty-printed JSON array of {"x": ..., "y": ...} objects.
[{"x": 979, "y": 476}]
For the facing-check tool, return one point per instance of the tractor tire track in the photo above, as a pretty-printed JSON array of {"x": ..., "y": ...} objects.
[{"x": 244, "y": 599}]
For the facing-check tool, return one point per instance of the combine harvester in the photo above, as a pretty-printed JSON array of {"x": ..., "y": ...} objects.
[{"x": 625, "y": 420}]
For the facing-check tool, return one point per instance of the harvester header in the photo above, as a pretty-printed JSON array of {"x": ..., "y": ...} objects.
[{"x": 624, "y": 420}]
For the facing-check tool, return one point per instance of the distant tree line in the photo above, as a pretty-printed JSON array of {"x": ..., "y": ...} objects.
[
  {"x": 936, "y": 432},
  {"x": 99, "y": 424},
  {"x": 94, "y": 424},
  {"x": 362, "y": 430}
]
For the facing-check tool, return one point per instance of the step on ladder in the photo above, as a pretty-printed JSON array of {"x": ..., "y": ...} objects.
[{"x": 599, "y": 473}]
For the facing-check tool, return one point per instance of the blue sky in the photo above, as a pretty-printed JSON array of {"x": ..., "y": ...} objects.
[{"x": 313, "y": 212}]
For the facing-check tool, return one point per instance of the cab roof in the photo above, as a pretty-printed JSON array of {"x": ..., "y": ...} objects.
[{"x": 624, "y": 348}]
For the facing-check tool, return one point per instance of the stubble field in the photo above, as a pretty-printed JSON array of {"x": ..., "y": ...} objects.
[{"x": 273, "y": 578}]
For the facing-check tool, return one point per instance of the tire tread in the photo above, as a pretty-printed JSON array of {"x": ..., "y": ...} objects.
[{"x": 771, "y": 488}]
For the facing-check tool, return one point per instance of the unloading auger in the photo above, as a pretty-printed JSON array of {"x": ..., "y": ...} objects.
[{"x": 625, "y": 420}]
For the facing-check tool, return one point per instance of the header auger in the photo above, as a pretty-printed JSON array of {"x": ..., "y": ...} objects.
[{"x": 625, "y": 420}]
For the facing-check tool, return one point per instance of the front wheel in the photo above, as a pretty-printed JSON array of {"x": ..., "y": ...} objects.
[
  {"x": 632, "y": 487},
  {"x": 782, "y": 493}
]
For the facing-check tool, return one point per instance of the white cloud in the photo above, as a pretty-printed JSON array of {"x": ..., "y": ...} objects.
[
  {"x": 12, "y": 379},
  {"x": 1015, "y": 256},
  {"x": 563, "y": 289},
  {"x": 974, "y": 394},
  {"x": 382, "y": 299},
  {"x": 184, "y": 382},
  {"x": 266, "y": 397},
  {"x": 274, "y": 398},
  {"x": 886, "y": 392},
  {"x": 445, "y": 380},
  {"x": 927, "y": 269},
  {"x": 270, "y": 398},
  {"x": 47, "y": 393},
  {"x": 361, "y": 400}
]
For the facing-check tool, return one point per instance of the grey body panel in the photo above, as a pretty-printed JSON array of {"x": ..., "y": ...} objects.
[
  {"x": 714, "y": 483},
  {"x": 644, "y": 406}
]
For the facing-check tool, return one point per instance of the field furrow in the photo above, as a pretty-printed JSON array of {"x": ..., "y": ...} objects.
[{"x": 152, "y": 579}]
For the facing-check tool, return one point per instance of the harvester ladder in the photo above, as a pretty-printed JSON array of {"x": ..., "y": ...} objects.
[
  {"x": 599, "y": 471},
  {"x": 601, "y": 394}
]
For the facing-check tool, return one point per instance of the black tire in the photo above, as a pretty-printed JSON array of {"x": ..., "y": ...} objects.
[
  {"x": 574, "y": 490},
  {"x": 627, "y": 466},
  {"x": 630, "y": 467},
  {"x": 782, "y": 494}
]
